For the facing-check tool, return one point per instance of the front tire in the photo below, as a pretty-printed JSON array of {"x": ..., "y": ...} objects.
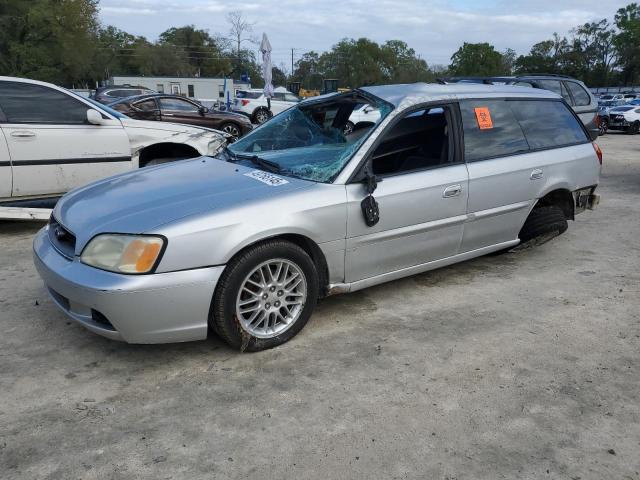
[
  {"x": 542, "y": 225},
  {"x": 634, "y": 128},
  {"x": 265, "y": 296}
]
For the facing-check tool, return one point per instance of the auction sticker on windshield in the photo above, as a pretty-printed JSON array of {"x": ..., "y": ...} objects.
[{"x": 266, "y": 177}]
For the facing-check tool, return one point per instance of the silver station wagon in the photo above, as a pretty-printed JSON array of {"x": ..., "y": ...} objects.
[{"x": 244, "y": 243}]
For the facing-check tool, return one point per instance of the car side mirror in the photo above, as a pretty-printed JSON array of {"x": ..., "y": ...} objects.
[
  {"x": 593, "y": 133},
  {"x": 203, "y": 110},
  {"x": 369, "y": 205},
  {"x": 94, "y": 117}
]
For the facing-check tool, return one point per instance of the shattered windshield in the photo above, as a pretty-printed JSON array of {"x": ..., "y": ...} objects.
[{"x": 313, "y": 140}]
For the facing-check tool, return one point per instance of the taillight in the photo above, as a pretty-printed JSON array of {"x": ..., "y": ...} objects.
[
  {"x": 244, "y": 102},
  {"x": 598, "y": 151}
]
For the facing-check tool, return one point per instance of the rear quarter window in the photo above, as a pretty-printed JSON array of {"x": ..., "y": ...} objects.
[
  {"x": 548, "y": 123},
  {"x": 503, "y": 138},
  {"x": 580, "y": 95},
  {"x": 245, "y": 94}
]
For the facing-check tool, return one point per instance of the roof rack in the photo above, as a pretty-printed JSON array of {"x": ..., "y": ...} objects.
[
  {"x": 543, "y": 75},
  {"x": 484, "y": 80}
]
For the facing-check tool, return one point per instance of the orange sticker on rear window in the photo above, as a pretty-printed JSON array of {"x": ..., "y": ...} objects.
[{"x": 483, "y": 117}]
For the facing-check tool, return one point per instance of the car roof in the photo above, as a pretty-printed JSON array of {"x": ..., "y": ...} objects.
[{"x": 423, "y": 92}]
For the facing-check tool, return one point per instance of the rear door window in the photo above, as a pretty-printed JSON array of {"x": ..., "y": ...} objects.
[
  {"x": 29, "y": 103},
  {"x": 146, "y": 105},
  {"x": 580, "y": 95},
  {"x": 548, "y": 124},
  {"x": 490, "y": 130}
]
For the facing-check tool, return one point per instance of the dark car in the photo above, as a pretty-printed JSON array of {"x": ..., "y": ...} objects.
[
  {"x": 177, "y": 109},
  {"x": 113, "y": 93}
]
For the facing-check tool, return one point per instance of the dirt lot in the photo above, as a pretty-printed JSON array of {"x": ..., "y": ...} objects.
[{"x": 525, "y": 365}]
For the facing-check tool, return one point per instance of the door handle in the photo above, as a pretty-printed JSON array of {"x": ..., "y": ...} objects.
[
  {"x": 23, "y": 134},
  {"x": 536, "y": 173},
  {"x": 168, "y": 115},
  {"x": 452, "y": 191}
]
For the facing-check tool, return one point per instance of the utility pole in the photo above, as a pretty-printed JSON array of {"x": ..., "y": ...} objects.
[{"x": 292, "y": 63}]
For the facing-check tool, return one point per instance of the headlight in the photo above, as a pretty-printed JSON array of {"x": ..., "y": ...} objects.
[{"x": 123, "y": 253}]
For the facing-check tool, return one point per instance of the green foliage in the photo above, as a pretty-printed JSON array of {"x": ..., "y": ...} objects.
[
  {"x": 627, "y": 42},
  {"x": 47, "y": 39},
  {"x": 362, "y": 62},
  {"x": 477, "y": 59}
]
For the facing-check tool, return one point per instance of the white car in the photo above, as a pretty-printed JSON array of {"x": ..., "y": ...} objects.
[
  {"x": 625, "y": 118},
  {"x": 364, "y": 114},
  {"x": 52, "y": 140},
  {"x": 611, "y": 96},
  {"x": 254, "y": 104}
]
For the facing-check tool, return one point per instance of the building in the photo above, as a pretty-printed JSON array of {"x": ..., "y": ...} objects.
[{"x": 206, "y": 90}]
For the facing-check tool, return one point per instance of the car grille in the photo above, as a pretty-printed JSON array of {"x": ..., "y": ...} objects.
[{"x": 62, "y": 239}]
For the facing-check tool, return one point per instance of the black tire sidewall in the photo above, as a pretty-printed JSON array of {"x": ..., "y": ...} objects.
[
  {"x": 541, "y": 221},
  {"x": 228, "y": 327}
]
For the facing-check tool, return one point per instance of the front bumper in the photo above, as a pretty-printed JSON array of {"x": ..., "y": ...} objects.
[{"x": 156, "y": 308}]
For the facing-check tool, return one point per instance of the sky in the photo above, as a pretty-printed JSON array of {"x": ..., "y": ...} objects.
[{"x": 434, "y": 28}]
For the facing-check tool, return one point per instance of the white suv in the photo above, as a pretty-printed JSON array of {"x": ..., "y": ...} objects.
[
  {"x": 52, "y": 140},
  {"x": 253, "y": 103}
]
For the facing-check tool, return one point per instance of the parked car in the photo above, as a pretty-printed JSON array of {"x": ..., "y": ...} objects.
[
  {"x": 576, "y": 94},
  {"x": 603, "y": 112},
  {"x": 625, "y": 118},
  {"x": 630, "y": 96},
  {"x": 362, "y": 114},
  {"x": 254, "y": 105},
  {"x": 612, "y": 96},
  {"x": 177, "y": 109},
  {"x": 52, "y": 140},
  {"x": 107, "y": 95},
  {"x": 247, "y": 241}
]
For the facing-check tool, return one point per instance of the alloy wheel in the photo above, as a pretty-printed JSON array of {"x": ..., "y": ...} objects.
[
  {"x": 262, "y": 116},
  {"x": 271, "y": 298},
  {"x": 231, "y": 130}
]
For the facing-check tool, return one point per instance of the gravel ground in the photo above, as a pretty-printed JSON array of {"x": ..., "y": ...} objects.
[{"x": 524, "y": 365}]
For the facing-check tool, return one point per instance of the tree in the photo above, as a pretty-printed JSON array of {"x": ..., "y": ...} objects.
[
  {"x": 627, "y": 42},
  {"x": 477, "y": 59},
  {"x": 198, "y": 49},
  {"x": 239, "y": 30},
  {"x": 547, "y": 56},
  {"x": 48, "y": 40},
  {"x": 509, "y": 57}
]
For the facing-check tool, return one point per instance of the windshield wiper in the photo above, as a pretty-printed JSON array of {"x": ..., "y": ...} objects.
[{"x": 261, "y": 162}]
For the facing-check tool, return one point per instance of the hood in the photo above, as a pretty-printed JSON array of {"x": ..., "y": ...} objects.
[
  {"x": 166, "y": 126},
  {"x": 142, "y": 200}
]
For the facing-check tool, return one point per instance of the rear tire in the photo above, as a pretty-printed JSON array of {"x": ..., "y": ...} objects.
[
  {"x": 603, "y": 126},
  {"x": 261, "y": 115},
  {"x": 227, "y": 318},
  {"x": 232, "y": 129},
  {"x": 543, "y": 224}
]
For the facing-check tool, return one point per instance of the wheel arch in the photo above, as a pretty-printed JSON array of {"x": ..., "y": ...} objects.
[
  {"x": 560, "y": 196},
  {"x": 307, "y": 244},
  {"x": 165, "y": 149}
]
